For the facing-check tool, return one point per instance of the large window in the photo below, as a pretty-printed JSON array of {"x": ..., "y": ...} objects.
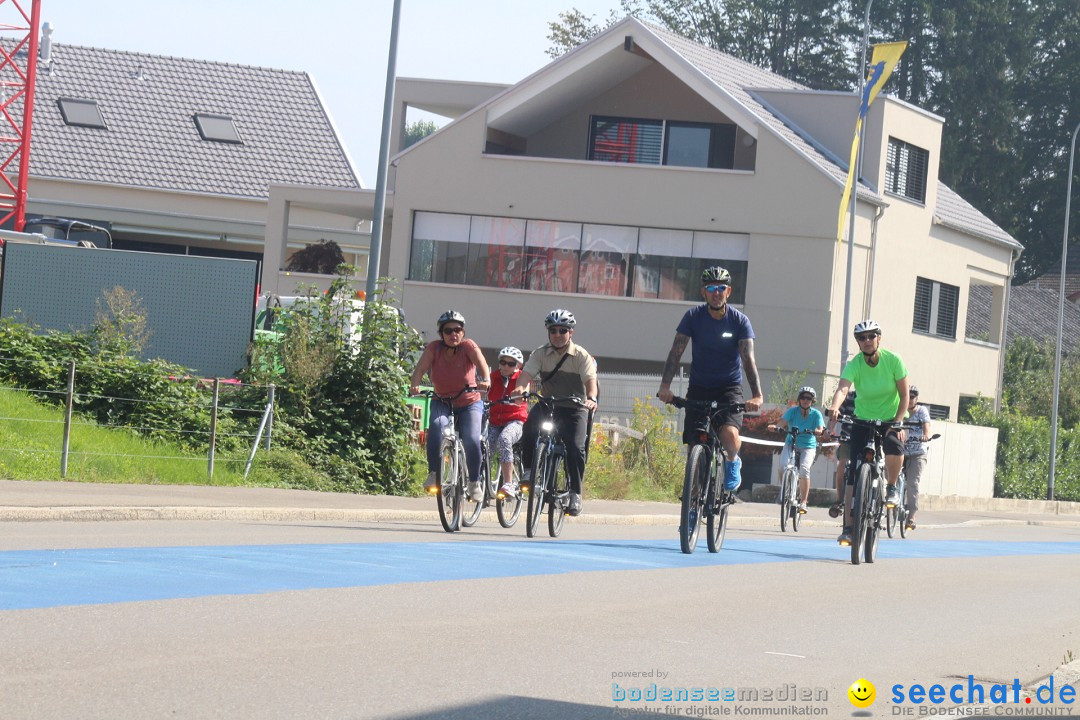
[
  {"x": 906, "y": 168},
  {"x": 667, "y": 142},
  {"x": 553, "y": 256},
  {"x": 935, "y": 308}
]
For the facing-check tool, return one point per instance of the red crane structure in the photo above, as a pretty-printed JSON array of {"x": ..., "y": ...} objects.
[{"x": 17, "y": 93}]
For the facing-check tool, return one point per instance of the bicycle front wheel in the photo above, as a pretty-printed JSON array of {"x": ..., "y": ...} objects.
[
  {"x": 509, "y": 508},
  {"x": 536, "y": 494},
  {"x": 860, "y": 511},
  {"x": 693, "y": 497},
  {"x": 560, "y": 495},
  {"x": 787, "y": 497},
  {"x": 718, "y": 522},
  {"x": 471, "y": 509},
  {"x": 449, "y": 497},
  {"x": 892, "y": 517}
]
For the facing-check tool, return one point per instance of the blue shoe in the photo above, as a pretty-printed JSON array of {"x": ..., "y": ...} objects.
[{"x": 733, "y": 475}]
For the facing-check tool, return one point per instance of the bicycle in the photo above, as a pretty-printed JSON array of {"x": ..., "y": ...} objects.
[
  {"x": 551, "y": 483},
  {"x": 506, "y": 508},
  {"x": 867, "y": 468},
  {"x": 453, "y": 471},
  {"x": 898, "y": 514},
  {"x": 703, "y": 495},
  {"x": 789, "y": 483}
]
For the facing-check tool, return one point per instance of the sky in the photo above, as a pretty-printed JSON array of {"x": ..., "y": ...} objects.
[{"x": 342, "y": 44}]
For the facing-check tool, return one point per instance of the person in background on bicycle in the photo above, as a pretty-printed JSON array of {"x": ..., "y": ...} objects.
[
  {"x": 881, "y": 377},
  {"x": 563, "y": 368},
  {"x": 808, "y": 420},
  {"x": 453, "y": 362},
  {"x": 918, "y": 423},
  {"x": 848, "y": 409},
  {"x": 723, "y": 351},
  {"x": 506, "y": 420}
]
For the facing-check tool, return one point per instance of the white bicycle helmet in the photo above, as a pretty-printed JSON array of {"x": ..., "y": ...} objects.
[
  {"x": 807, "y": 390},
  {"x": 512, "y": 352},
  {"x": 867, "y": 326},
  {"x": 560, "y": 317},
  {"x": 450, "y": 315}
]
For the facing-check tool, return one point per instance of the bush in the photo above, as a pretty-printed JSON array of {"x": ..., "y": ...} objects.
[{"x": 648, "y": 468}]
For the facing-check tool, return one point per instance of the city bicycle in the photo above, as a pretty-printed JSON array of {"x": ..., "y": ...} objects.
[
  {"x": 452, "y": 471},
  {"x": 897, "y": 516},
  {"x": 704, "y": 498},
  {"x": 789, "y": 484},
  {"x": 867, "y": 473},
  {"x": 507, "y": 508},
  {"x": 551, "y": 483}
]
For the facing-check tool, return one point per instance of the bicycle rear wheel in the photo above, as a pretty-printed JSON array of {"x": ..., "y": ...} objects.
[
  {"x": 509, "y": 508},
  {"x": 560, "y": 495},
  {"x": 449, "y": 497},
  {"x": 859, "y": 512},
  {"x": 471, "y": 509},
  {"x": 718, "y": 522},
  {"x": 787, "y": 493},
  {"x": 536, "y": 494},
  {"x": 693, "y": 497}
]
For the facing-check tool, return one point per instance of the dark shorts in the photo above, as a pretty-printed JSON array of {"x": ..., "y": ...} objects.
[
  {"x": 695, "y": 419},
  {"x": 860, "y": 435}
]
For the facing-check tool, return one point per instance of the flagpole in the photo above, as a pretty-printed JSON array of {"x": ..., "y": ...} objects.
[
  {"x": 854, "y": 196},
  {"x": 1061, "y": 322}
]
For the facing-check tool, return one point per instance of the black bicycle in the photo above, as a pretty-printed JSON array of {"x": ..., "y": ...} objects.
[
  {"x": 551, "y": 482},
  {"x": 704, "y": 498},
  {"x": 867, "y": 472}
]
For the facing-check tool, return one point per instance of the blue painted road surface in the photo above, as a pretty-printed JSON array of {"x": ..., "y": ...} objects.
[{"x": 52, "y": 578}]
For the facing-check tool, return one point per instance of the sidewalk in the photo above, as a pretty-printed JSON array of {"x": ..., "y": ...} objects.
[{"x": 70, "y": 501}]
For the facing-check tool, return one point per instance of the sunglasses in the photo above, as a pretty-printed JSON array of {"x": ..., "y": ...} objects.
[
  {"x": 865, "y": 337},
  {"x": 716, "y": 288},
  {"x": 508, "y": 363},
  {"x": 453, "y": 330},
  {"x": 558, "y": 330},
  {"x": 806, "y": 397}
]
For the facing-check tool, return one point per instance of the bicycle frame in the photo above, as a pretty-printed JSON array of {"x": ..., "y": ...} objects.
[
  {"x": 550, "y": 455},
  {"x": 868, "y": 504}
]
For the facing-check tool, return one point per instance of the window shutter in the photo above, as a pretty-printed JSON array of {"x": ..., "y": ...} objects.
[
  {"x": 924, "y": 290},
  {"x": 948, "y": 302}
]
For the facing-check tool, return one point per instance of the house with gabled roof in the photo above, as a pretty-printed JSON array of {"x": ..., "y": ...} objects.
[
  {"x": 178, "y": 155},
  {"x": 608, "y": 179}
]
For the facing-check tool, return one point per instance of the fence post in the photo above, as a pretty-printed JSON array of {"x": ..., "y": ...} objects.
[
  {"x": 270, "y": 393},
  {"x": 213, "y": 427},
  {"x": 68, "y": 405}
]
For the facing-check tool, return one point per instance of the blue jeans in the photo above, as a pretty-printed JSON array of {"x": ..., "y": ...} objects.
[{"x": 467, "y": 421}]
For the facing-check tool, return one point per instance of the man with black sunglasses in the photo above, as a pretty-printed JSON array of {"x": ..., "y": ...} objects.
[
  {"x": 562, "y": 368},
  {"x": 723, "y": 351}
]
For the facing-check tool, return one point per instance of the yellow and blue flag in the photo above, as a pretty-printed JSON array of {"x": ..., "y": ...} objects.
[{"x": 882, "y": 64}]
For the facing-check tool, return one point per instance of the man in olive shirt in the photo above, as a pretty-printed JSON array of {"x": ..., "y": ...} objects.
[{"x": 561, "y": 368}]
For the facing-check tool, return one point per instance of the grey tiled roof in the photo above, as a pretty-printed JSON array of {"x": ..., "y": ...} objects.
[
  {"x": 151, "y": 142},
  {"x": 1051, "y": 279},
  {"x": 1033, "y": 313},
  {"x": 740, "y": 78}
]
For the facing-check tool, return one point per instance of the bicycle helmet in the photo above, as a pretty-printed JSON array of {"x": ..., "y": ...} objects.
[
  {"x": 512, "y": 352},
  {"x": 807, "y": 390},
  {"x": 450, "y": 315},
  {"x": 913, "y": 390},
  {"x": 715, "y": 274},
  {"x": 560, "y": 317},
  {"x": 867, "y": 326}
]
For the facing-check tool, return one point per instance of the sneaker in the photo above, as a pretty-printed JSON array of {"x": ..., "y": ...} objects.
[
  {"x": 431, "y": 485},
  {"x": 802, "y": 508},
  {"x": 892, "y": 498},
  {"x": 575, "y": 505},
  {"x": 845, "y": 538},
  {"x": 476, "y": 491},
  {"x": 508, "y": 490},
  {"x": 526, "y": 482},
  {"x": 733, "y": 474},
  {"x": 836, "y": 510},
  {"x": 910, "y": 524}
]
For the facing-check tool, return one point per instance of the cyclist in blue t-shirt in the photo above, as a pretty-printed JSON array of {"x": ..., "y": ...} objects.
[
  {"x": 809, "y": 420},
  {"x": 723, "y": 351}
]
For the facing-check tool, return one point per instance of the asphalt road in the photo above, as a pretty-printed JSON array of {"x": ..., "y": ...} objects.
[{"x": 397, "y": 619}]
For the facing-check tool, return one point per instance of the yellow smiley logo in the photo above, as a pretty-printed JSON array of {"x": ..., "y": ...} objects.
[{"x": 862, "y": 693}]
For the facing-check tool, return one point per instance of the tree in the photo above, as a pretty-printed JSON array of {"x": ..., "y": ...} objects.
[
  {"x": 417, "y": 131},
  {"x": 323, "y": 257}
]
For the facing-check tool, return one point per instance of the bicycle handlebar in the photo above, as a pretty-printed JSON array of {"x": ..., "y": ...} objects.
[
  {"x": 447, "y": 398},
  {"x": 877, "y": 424},
  {"x": 681, "y": 402},
  {"x": 552, "y": 399}
]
